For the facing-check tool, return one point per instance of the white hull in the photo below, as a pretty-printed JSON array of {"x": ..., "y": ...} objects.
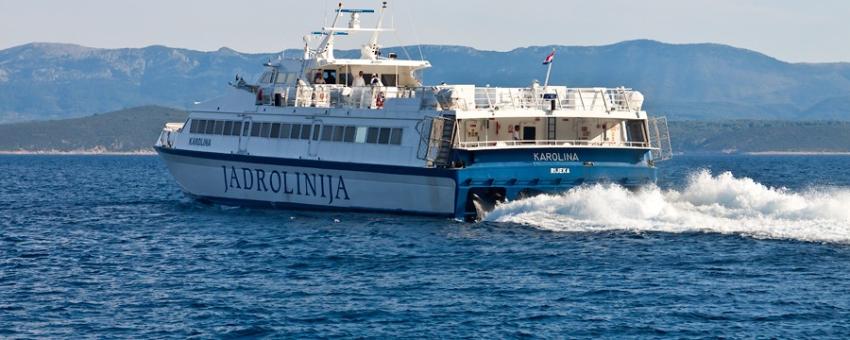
[{"x": 244, "y": 181}]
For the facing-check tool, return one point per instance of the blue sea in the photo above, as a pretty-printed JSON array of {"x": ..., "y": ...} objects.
[{"x": 724, "y": 246}]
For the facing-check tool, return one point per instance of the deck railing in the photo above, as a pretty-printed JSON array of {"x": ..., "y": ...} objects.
[
  {"x": 456, "y": 97},
  {"x": 558, "y": 98},
  {"x": 560, "y": 143}
]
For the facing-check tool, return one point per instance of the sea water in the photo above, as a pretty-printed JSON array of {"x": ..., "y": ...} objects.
[{"x": 731, "y": 246}]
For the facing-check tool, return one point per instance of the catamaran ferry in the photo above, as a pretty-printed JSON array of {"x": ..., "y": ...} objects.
[{"x": 365, "y": 134}]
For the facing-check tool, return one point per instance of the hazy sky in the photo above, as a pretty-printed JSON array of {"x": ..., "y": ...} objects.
[{"x": 807, "y": 31}]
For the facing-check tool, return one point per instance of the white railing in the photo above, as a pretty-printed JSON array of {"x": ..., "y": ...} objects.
[
  {"x": 340, "y": 96},
  {"x": 560, "y": 143},
  {"x": 456, "y": 97},
  {"x": 558, "y": 98}
]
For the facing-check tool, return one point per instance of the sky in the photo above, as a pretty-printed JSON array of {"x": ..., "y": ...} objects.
[{"x": 794, "y": 31}]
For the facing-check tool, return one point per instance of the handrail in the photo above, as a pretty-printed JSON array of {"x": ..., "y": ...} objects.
[
  {"x": 562, "y": 143},
  {"x": 456, "y": 97}
]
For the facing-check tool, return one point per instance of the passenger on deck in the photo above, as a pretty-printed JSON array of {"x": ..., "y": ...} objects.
[
  {"x": 359, "y": 81},
  {"x": 318, "y": 79},
  {"x": 330, "y": 79},
  {"x": 515, "y": 134},
  {"x": 375, "y": 80}
]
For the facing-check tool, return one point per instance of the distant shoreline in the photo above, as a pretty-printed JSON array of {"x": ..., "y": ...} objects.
[{"x": 78, "y": 153}]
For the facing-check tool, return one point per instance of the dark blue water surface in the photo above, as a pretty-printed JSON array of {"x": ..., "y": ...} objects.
[{"x": 107, "y": 246}]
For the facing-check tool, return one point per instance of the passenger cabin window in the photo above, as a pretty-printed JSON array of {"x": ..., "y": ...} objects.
[{"x": 328, "y": 133}]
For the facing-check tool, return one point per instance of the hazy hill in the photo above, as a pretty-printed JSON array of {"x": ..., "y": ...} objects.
[
  {"x": 689, "y": 81},
  {"x": 121, "y": 131},
  {"x": 760, "y": 136},
  {"x": 137, "y": 129}
]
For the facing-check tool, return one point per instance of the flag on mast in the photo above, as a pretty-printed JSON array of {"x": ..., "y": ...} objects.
[
  {"x": 548, "y": 61},
  {"x": 549, "y": 58}
]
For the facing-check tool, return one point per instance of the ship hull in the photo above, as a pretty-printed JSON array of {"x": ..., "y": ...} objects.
[
  {"x": 493, "y": 176},
  {"x": 233, "y": 179}
]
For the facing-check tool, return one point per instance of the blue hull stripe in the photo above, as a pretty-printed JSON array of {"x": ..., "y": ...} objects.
[{"x": 309, "y": 163}]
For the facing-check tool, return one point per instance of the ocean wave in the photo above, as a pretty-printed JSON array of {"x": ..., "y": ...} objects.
[{"x": 707, "y": 203}]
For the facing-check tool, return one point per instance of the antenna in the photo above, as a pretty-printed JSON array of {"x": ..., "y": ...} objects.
[
  {"x": 372, "y": 50},
  {"x": 326, "y": 48}
]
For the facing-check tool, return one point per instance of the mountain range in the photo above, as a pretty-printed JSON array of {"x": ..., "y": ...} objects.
[{"x": 681, "y": 81}]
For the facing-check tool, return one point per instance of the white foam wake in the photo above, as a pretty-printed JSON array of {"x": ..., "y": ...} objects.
[{"x": 722, "y": 204}]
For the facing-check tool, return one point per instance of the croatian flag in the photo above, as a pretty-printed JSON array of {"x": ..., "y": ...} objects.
[{"x": 549, "y": 58}]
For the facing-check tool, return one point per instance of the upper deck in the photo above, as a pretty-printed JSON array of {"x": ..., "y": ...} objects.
[{"x": 379, "y": 90}]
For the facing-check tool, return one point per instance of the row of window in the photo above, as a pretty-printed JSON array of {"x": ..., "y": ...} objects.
[{"x": 331, "y": 133}]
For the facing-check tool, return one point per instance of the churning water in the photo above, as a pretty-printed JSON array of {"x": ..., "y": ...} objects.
[
  {"x": 730, "y": 246},
  {"x": 722, "y": 204}
]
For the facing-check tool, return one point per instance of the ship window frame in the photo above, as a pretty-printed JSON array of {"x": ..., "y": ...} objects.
[
  {"x": 327, "y": 133},
  {"x": 285, "y": 130},
  {"x": 265, "y": 129},
  {"x": 372, "y": 135},
  {"x": 306, "y": 130},
  {"x": 360, "y": 134},
  {"x": 396, "y": 135},
  {"x": 237, "y": 128},
  {"x": 338, "y": 133},
  {"x": 295, "y": 131},
  {"x": 275, "y": 131},
  {"x": 210, "y": 127},
  {"x": 219, "y": 127},
  {"x": 384, "y": 135},
  {"x": 317, "y": 127},
  {"x": 228, "y": 128},
  {"x": 349, "y": 134},
  {"x": 255, "y": 129},
  {"x": 193, "y": 126},
  {"x": 266, "y": 77}
]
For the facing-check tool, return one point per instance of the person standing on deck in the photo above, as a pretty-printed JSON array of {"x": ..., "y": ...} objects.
[{"x": 359, "y": 81}]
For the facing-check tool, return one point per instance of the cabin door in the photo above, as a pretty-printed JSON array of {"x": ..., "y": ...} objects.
[
  {"x": 244, "y": 135},
  {"x": 529, "y": 133},
  {"x": 313, "y": 142}
]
